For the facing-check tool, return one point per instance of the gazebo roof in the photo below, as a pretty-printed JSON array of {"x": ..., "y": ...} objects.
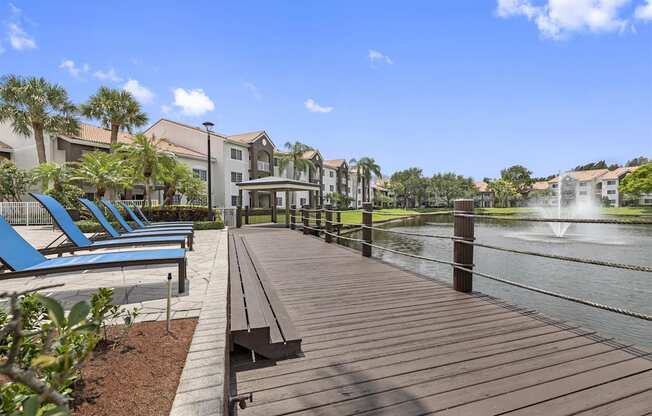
[{"x": 277, "y": 183}]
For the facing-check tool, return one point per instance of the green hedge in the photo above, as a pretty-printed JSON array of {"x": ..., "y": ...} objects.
[
  {"x": 179, "y": 213},
  {"x": 88, "y": 226}
]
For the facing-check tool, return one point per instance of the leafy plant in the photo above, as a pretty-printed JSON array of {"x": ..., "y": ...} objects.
[
  {"x": 101, "y": 170},
  {"x": 42, "y": 348},
  {"x": 56, "y": 181},
  {"x": 14, "y": 182}
]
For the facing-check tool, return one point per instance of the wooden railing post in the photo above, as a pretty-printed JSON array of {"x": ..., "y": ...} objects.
[
  {"x": 318, "y": 220},
  {"x": 238, "y": 217},
  {"x": 339, "y": 227},
  {"x": 367, "y": 220},
  {"x": 329, "y": 224},
  {"x": 293, "y": 217},
  {"x": 463, "y": 253},
  {"x": 246, "y": 214},
  {"x": 305, "y": 219}
]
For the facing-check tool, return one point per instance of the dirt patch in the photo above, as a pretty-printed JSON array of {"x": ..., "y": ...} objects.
[{"x": 137, "y": 376}]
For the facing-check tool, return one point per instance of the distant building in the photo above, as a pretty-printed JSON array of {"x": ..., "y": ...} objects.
[{"x": 484, "y": 197}]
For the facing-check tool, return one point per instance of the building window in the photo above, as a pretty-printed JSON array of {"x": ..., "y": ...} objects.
[
  {"x": 279, "y": 201},
  {"x": 582, "y": 192},
  {"x": 275, "y": 161},
  {"x": 611, "y": 182},
  {"x": 554, "y": 185},
  {"x": 583, "y": 183},
  {"x": 200, "y": 173},
  {"x": 236, "y": 154},
  {"x": 302, "y": 201},
  {"x": 234, "y": 200},
  {"x": 236, "y": 177},
  {"x": 647, "y": 201},
  {"x": 330, "y": 173},
  {"x": 331, "y": 188},
  {"x": 611, "y": 192}
]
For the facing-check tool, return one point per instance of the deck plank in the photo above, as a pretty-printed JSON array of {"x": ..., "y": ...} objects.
[{"x": 381, "y": 340}]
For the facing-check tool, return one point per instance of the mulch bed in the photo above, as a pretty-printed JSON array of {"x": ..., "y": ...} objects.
[{"x": 137, "y": 375}]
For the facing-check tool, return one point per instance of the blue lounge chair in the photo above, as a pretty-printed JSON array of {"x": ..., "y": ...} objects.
[
  {"x": 146, "y": 221},
  {"x": 128, "y": 228},
  {"x": 80, "y": 242},
  {"x": 110, "y": 230},
  {"x": 142, "y": 225},
  {"x": 24, "y": 260}
]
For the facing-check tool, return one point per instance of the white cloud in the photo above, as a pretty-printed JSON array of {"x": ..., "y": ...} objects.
[
  {"x": 193, "y": 102},
  {"x": 249, "y": 86},
  {"x": 19, "y": 39},
  {"x": 644, "y": 11},
  {"x": 375, "y": 56},
  {"x": 557, "y": 19},
  {"x": 313, "y": 107},
  {"x": 142, "y": 93},
  {"x": 109, "y": 75},
  {"x": 70, "y": 66},
  {"x": 166, "y": 109}
]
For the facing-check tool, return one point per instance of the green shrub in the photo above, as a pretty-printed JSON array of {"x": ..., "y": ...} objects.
[
  {"x": 89, "y": 226},
  {"x": 179, "y": 213},
  {"x": 42, "y": 349}
]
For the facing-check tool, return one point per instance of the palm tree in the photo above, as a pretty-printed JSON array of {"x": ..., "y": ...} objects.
[
  {"x": 175, "y": 177},
  {"x": 145, "y": 157},
  {"x": 367, "y": 166},
  {"x": 35, "y": 105},
  {"x": 101, "y": 170},
  {"x": 294, "y": 153},
  {"x": 116, "y": 110}
]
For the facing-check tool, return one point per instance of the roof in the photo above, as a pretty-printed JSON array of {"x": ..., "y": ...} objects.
[
  {"x": 199, "y": 129},
  {"x": 334, "y": 163},
  {"x": 617, "y": 173},
  {"x": 309, "y": 154},
  {"x": 540, "y": 186},
  {"x": 247, "y": 137},
  {"x": 582, "y": 175},
  {"x": 5, "y": 146},
  {"x": 481, "y": 186},
  {"x": 277, "y": 183},
  {"x": 99, "y": 135}
]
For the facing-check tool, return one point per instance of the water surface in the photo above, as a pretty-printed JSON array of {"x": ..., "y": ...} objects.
[{"x": 616, "y": 243}]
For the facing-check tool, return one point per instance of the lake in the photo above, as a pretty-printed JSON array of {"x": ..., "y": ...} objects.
[{"x": 628, "y": 244}]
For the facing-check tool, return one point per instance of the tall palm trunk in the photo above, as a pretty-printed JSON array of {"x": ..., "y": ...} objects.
[
  {"x": 40, "y": 143},
  {"x": 114, "y": 133}
]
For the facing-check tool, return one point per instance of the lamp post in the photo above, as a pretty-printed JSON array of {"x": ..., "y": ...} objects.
[{"x": 208, "y": 126}]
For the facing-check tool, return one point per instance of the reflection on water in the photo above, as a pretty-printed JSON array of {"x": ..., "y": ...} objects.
[{"x": 614, "y": 243}]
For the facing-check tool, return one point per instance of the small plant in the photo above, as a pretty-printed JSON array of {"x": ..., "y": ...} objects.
[{"x": 42, "y": 348}]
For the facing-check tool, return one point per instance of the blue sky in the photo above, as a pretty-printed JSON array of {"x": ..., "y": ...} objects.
[{"x": 464, "y": 86}]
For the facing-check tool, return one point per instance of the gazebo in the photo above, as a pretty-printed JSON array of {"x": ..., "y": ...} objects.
[{"x": 274, "y": 184}]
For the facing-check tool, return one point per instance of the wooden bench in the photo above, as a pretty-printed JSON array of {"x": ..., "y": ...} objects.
[{"x": 258, "y": 319}]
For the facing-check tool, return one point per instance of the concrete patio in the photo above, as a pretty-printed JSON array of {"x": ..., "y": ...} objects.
[{"x": 144, "y": 287}]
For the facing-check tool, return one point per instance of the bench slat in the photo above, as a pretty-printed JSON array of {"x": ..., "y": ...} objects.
[
  {"x": 254, "y": 297},
  {"x": 287, "y": 328},
  {"x": 236, "y": 300}
]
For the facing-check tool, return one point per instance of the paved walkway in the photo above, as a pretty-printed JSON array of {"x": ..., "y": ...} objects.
[
  {"x": 378, "y": 340},
  {"x": 144, "y": 287}
]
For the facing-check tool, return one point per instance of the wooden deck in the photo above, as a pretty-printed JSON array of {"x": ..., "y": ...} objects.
[{"x": 379, "y": 340}]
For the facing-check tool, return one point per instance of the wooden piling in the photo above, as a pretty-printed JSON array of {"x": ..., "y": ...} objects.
[
  {"x": 293, "y": 217},
  {"x": 367, "y": 220},
  {"x": 463, "y": 229},
  {"x": 305, "y": 218},
  {"x": 246, "y": 214},
  {"x": 329, "y": 224},
  {"x": 318, "y": 220}
]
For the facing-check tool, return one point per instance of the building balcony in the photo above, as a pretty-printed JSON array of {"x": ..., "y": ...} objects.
[{"x": 264, "y": 166}]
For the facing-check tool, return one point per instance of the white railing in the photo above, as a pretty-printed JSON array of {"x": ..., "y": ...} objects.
[
  {"x": 25, "y": 213},
  {"x": 264, "y": 166},
  {"x": 138, "y": 202}
]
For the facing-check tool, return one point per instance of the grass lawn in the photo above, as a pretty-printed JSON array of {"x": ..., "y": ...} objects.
[{"x": 355, "y": 217}]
